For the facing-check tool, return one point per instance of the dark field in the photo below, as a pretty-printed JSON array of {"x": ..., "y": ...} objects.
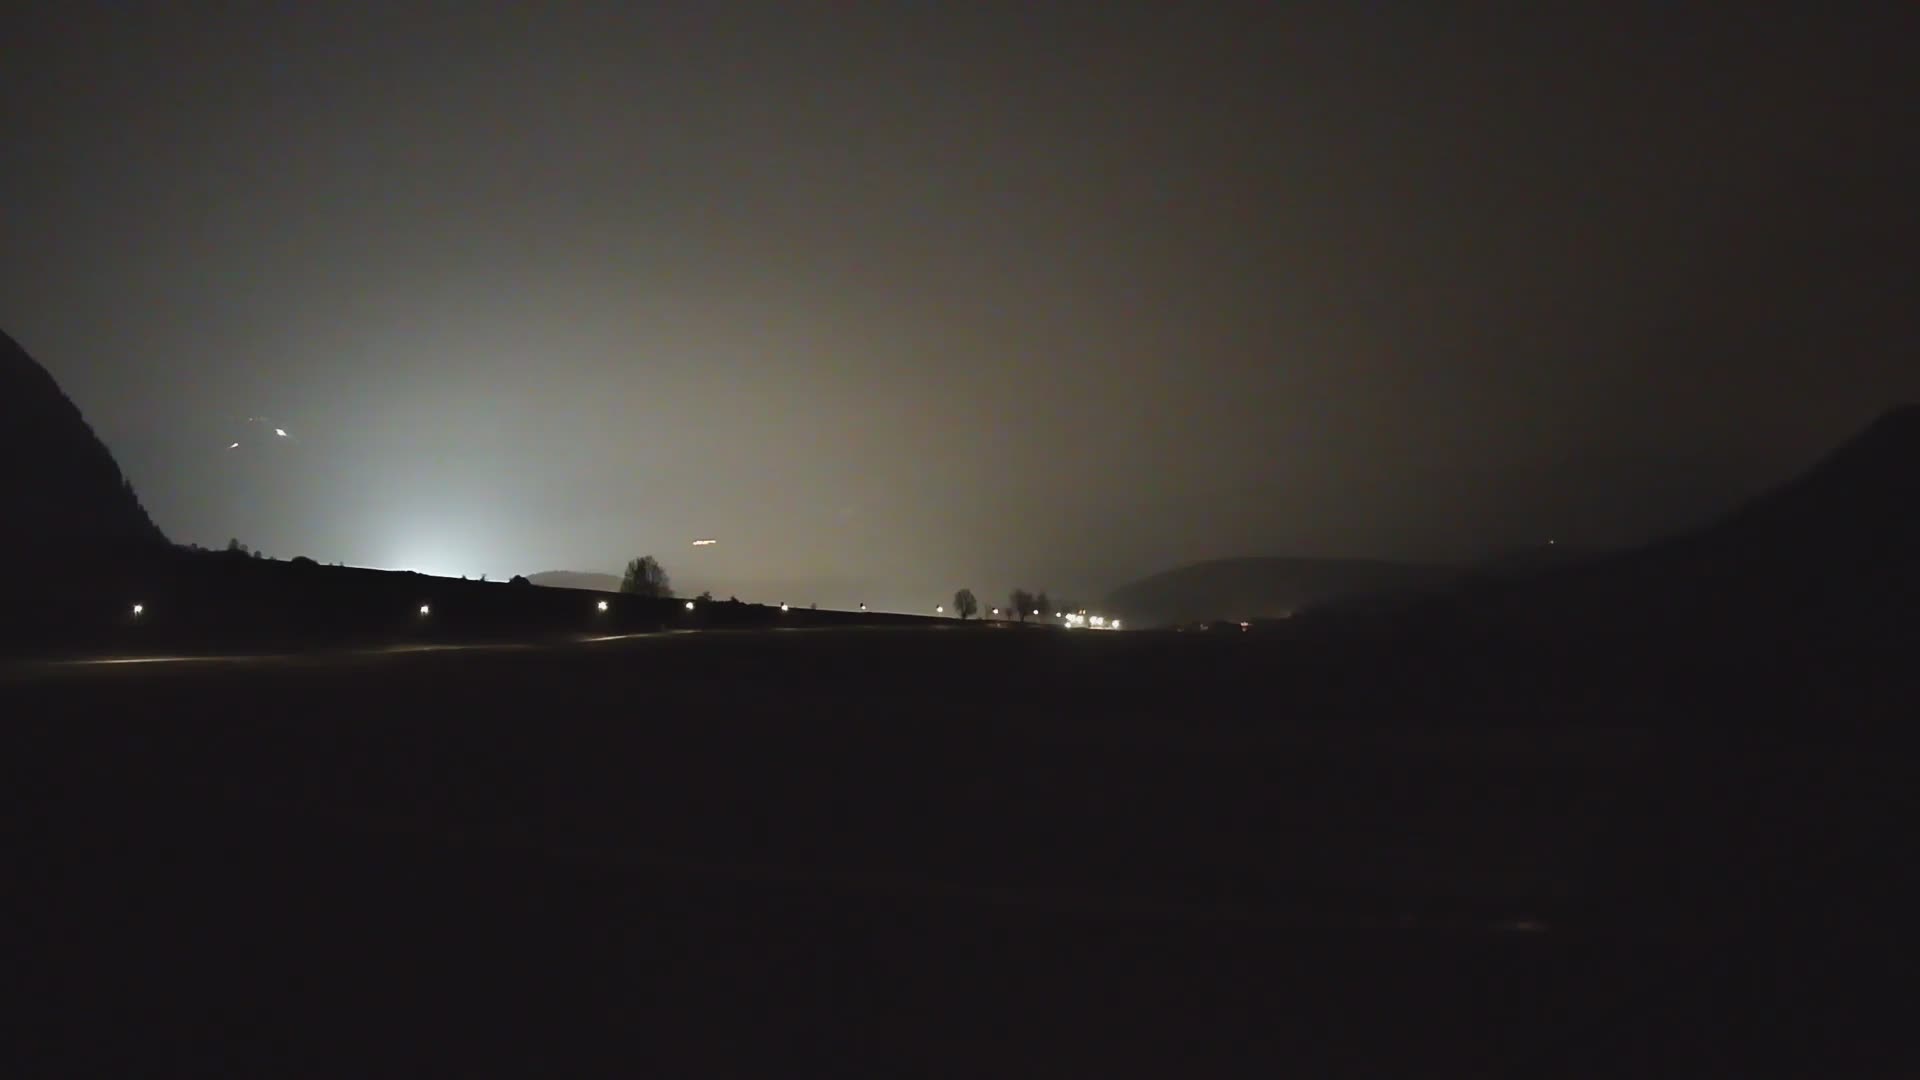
[{"x": 927, "y": 852}]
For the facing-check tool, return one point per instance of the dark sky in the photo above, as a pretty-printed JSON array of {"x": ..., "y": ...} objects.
[{"x": 892, "y": 298}]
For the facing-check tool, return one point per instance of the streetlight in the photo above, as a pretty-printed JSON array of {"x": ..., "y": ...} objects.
[
  {"x": 1036, "y": 611},
  {"x": 601, "y": 606},
  {"x": 783, "y": 605},
  {"x": 996, "y": 611},
  {"x": 426, "y": 609},
  {"x": 689, "y": 605},
  {"x": 139, "y": 610},
  {"x": 939, "y": 609}
]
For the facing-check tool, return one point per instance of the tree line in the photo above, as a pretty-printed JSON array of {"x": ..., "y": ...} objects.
[{"x": 1020, "y": 604}]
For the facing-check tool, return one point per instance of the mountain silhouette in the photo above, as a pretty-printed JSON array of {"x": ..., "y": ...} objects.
[
  {"x": 1861, "y": 503},
  {"x": 1828, "y": 562},
  {"x": 575, "y": 579},
  {"x": 1263, "y": 587},
  {"x": 64, "y": 494}
]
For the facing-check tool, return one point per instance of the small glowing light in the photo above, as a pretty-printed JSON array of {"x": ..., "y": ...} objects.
[
  {"x": 939, "y": 609},
  {"x": 1056, "y": 614},
  {"x": 705, "y": 541},
  {"x": 689, "y": 605},
  {"x": 282, "y": 432},
  {"x": 602, "y": 605},
  {"x": 235, "y": 446},
  {"x": 139, "y": 609},
  {"x": 863, "y": 607},
  {"x": 1115, "y": 624},
  {"x": 1036, "y": 611},
  {"x": 1099, "y": 620},
  {"x": 783, "y": 606},
  {"x": 996, "y": 611},
  {"x": 1245, "y": 625},
  {"x": 426, "y": 609}
]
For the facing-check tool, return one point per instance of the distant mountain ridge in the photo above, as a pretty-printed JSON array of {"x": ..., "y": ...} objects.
[
  {"x": 62, "y": 491},
  {"x": 1261, "y": 587},
  {"x": 576, "y": 579},
  {"x": 1827, "y": 563}
]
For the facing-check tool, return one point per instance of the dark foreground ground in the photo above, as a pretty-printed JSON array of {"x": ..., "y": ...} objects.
[{"x": 925, "y": 853}]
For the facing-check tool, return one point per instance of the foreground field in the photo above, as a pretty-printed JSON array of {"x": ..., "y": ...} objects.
[{"x": 919, "y": 851}]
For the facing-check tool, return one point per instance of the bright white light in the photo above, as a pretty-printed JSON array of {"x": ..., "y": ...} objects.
[
  {"x": 139, "y": 609},
  {"x": 602, "y": 605},
  {"x": 282, "y": 432},
  {"x": 704, "y": 542},
  {"x": 1099, "y": 620},
  {"x": 996, "y": 611},
  {"x": 235, "y": 446},
  {"x": 1056, "y": 614},
  {"x": 426, "y": 609},
  {"x": 689, "y": 605},
  {"x": 863, "y": 607},
  {"x": 1245, "y": 625},
  {"x": 1036, "y": 611},
  {"x": 783, "y": 607},
  {"x": 939, "y": 609},
  {"x": 1115, "y": 624}
]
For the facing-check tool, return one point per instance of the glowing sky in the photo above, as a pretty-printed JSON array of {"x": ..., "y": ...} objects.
[{"x": 896, "y": 298}]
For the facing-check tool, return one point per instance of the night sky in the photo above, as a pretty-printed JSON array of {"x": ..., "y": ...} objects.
[{"x": 893, "y": 298}]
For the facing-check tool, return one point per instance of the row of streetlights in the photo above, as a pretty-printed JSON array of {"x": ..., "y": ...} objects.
[
  {"x": 602, "y": 606},
  {"x": 427, "y": 609},
  {"x": 1071, "y": 618}
]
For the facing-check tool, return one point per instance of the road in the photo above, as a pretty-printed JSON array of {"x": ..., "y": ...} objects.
[{"x": 913, "y": 852}]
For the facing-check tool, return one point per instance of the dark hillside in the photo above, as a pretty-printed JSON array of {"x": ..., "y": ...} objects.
[
  {"x": 1820, "y": 576},
  {"x": 64, "y": 495},
  {"x": 1255, "y": 588}
]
